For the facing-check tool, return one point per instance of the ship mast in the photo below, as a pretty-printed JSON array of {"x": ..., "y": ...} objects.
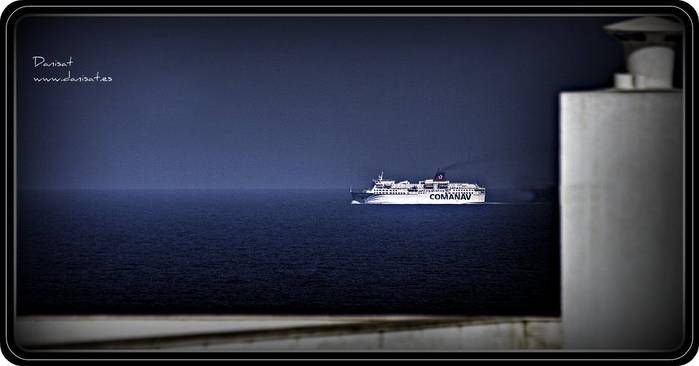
[{"x": 380, "y": 178}]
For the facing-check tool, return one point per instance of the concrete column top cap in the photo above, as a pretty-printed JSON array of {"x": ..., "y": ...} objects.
[{"x": 645, "y": 25}]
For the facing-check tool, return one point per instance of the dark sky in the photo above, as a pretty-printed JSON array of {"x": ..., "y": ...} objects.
[{"x": 300, "y": 102}]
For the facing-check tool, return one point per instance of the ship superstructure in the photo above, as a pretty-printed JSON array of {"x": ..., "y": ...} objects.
[{"x": 437, "y": 190}]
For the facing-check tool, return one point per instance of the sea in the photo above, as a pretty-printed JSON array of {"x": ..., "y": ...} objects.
[{"x": 281, "y": 252}]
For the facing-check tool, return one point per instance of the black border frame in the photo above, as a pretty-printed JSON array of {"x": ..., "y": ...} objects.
[{"x": 14, "y": 11}]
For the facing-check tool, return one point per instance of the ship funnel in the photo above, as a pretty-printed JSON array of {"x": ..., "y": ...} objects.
[
  {"x": 649, "y": 53},
  {"x": 440, "y": 176}
]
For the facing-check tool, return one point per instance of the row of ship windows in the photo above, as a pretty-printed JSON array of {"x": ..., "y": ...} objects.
[{"x": 404, "y": 192}]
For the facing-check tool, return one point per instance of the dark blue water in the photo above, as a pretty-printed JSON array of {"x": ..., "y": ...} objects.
[{"x": 309, "y": 252}]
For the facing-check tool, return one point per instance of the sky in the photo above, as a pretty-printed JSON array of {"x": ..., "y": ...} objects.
[{"x": 291, "y": 102}]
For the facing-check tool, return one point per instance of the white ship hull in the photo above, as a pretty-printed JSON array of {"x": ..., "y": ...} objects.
[{"x": 427, "y": 198}]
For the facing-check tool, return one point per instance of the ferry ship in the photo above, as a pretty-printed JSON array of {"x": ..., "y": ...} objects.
[{"x": 437, "y": 190}]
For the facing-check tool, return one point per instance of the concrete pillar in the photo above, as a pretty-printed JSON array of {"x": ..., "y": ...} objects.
[
  {"x": 622, "y": 202},
  {"x": 621, "y": 219}
]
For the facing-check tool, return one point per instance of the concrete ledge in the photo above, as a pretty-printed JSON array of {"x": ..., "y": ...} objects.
[{"x": 286, "y": 333}]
